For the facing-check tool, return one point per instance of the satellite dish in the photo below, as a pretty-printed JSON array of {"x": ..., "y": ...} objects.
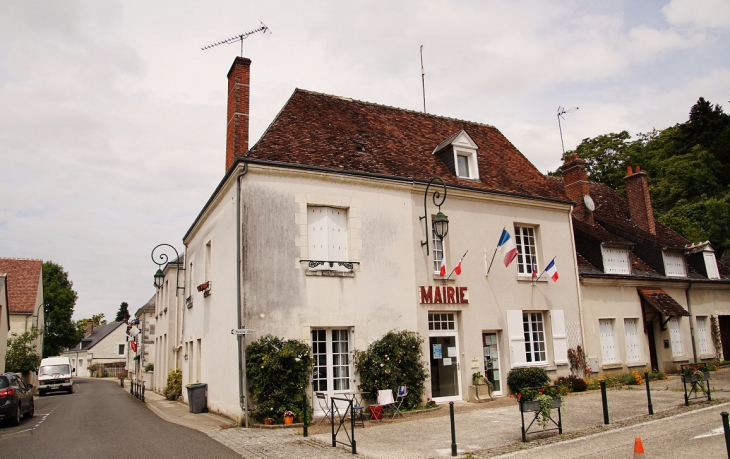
[{"x": 590, "y": 205}]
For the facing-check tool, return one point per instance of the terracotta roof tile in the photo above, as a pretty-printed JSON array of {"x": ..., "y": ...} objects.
[
  {"x": 323, "y": 131},
  {"x": 24, "y": 278},
  {"x": 662, "y": 302}
]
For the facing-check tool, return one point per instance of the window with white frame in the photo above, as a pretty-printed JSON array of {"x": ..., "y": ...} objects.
[
  {"x": 674, "y": 264},
  {"x": 633, "y": 352},
  {"x": 438, "y": 250},
  {"x": 675, "y": 337},
  {"x": 608, "y": 346},
  {"x": 615, "y": 260},
  {"x": 332, "y": 365},
  {"x": 534, "y": 330},
  {"x": 121, "y": 349},
  {"x": 702, "y": 339},
  {"x": 327, "y": 236},
  {"x": 466, "y": 164},
  {"x": 526, "y": 250},
  {"x": 442, "y": 321}
]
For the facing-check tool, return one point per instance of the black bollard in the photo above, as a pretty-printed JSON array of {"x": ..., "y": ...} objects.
[
  {"x": 453, "y": 429},
  {"x": 648, "y": 392},
  {"x": 605, "y": 402},
  {"x": 726, "y": 427},
  {"x": 304, "y": 415}
]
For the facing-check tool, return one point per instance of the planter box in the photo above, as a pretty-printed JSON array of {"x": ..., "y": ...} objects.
[
  {"x": 695, "y": 378},
  {"x": 534, "y": 405}
]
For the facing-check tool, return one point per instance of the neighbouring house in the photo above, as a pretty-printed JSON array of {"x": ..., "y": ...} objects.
[
  {"x": 24, "y": 285},
  {"x": 102, "y": 350},
  {"x": 169, "y": 301},
  {"x": 4, "y": 319},
  {"x": 650, "y": 298},
  {"x": 323, "y": 231},
  {"x": 145, "y": 344}
]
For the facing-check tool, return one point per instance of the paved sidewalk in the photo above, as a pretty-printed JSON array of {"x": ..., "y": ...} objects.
[{"x": 482, "y": 430}]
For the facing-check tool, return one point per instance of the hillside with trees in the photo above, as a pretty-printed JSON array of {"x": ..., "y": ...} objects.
[{"x": 688, "y": 165}]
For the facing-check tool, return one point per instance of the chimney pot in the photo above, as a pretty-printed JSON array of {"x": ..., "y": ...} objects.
[{"x": 629, "y": 171}]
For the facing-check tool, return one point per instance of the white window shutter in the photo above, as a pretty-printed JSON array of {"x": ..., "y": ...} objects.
[
  {"x": 633, "y": 353},
  {"x": 337, "y": 234},
  {"x": 317, "y": 233},
  {"x": 560, "y": 338},
  {"x": 516, "y": 338},
  {"x": 702, "y": 335},
  {"x": 608, "y": 351},
  {"x": 676, "y": 337}
]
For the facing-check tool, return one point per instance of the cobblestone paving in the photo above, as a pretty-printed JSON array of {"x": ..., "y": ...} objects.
[{"x": 278, "y": 443}]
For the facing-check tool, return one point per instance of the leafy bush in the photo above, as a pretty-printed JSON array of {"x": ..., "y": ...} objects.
[
  {"x": 21, "y": 356},
  {"x": 278, "y": 373},
  {"x": 579, "y": 385},
  {"x": 149, "y": 367},
  {"x": 174, "y": 384},
  {"x": 393, "y": 360},
  {"x": 527, "y": 377}
]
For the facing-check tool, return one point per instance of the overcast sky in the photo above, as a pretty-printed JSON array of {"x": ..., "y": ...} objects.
[{"x": 112, "y": 119}]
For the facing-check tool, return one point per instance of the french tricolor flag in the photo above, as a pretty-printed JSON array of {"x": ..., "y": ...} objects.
[
  {"x": 552, "y": 270},
  {"x": 507, "y": 246},
  {"x": 442, "y": 272}
]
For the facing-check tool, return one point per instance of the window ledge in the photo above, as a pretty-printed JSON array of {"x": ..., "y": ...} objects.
[
  {"x": 612, "y": 366},
  {"x": 528, "y": 278},
  {"x": 328, "y": 273},
  {"x": 636, "y": 364},
  {"x": 439, "y": 278},
  {"x": 681, "y": 358}
]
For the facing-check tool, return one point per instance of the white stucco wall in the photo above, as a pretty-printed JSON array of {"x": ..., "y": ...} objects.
[{"x": 4, "y": 325}]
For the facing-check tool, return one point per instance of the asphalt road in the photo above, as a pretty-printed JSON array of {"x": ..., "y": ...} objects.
[{"x": 101, "y": 420}]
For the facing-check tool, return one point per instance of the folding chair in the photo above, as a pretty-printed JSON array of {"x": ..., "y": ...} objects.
[
  {"x": 323, "y": 405},
  {"x": 385, "y": 399},
  {"x": 400, "y": 396}
]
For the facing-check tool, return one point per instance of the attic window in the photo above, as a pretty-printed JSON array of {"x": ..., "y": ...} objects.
[
  {"x": 674, "y": 264},
  {"x": 615, "y": 260},
  {"x": 711, "y": 265},
  {"x": 459, "y": 153}
]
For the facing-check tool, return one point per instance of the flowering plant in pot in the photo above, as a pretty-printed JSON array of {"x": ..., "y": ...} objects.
[
  {"x": 541, "y": 399},
  {"x": 288, "y": 417}
]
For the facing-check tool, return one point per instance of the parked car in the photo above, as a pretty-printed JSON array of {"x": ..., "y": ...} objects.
[
  {"x": 16, "y": 398},
  {"x": 55, "y": 373}
]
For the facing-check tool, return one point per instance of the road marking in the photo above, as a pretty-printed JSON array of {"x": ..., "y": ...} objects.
[
  {"x": 712, "y": 433},
  {"x": 43, "y": 418}
]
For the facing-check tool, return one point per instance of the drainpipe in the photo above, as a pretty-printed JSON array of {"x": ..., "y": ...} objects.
[
  {"x": 577, "y": 279},
  {"x": 691, "y": 322},
  {"x": 242, "y": 383}
]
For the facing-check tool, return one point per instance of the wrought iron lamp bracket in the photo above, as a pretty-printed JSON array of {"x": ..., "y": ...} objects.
[
  {"x": 437, "y": 201},
  {"x": 163, "y": 257}
]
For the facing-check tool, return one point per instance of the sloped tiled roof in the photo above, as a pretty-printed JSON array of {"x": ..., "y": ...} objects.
[
  {"x": 148, "y": 306},
  {"x": 99, "y": 333},
  {"x": 323, "y": 131},
  {"x": 663, "y": 302},
  {"x": 24, "y": 279}
]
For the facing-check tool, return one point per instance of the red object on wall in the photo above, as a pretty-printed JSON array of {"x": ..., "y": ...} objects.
[{"x": 133, "y": 345}]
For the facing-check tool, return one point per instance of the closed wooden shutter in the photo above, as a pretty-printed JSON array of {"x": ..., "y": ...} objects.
[
  {"x": 317, "y": 233},
  {"x": 560, "y": 338},
  {"x": 676, "y": 337},
  {"x": 632, "y": 340},
  {"x": 608, "y": 351}
]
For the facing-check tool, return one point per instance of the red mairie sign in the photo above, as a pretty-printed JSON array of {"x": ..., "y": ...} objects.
[{"x": 444, "y": 295}]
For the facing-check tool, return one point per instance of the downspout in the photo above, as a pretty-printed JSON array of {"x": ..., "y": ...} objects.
[
  {"x": 691, "y": 323},
  {"x": 242, "y": 383},
  {"x": 577, "y": 279}
]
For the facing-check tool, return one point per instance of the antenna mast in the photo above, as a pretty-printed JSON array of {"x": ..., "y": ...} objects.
[
  {"x": 561, "y": 112},
  {"x": 240, "y": 38},
  {"x": 423, "y": 81}
]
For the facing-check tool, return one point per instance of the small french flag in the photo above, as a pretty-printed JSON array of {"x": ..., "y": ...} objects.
[
  {"x": 507, "y": 246},
  {"x": 457, "y": 269},
  {"x": 552, "y": 270},
  {"x": 442, "y": 272}
]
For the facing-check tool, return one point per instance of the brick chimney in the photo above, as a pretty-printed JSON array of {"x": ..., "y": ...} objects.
[
  {"x": 575, "y": 181},
  {"x": 238, "y": 104},
  {"x": 637, "y": 190},
  {"x": 89, "y": 328}
]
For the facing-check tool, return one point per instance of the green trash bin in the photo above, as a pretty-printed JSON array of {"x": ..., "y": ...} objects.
[{"x": 198, "y": 397}]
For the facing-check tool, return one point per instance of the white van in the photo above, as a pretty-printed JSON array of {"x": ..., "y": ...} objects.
[{"x": 55, "y": 373}]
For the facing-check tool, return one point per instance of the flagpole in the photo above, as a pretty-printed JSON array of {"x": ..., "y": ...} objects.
[
  {"x": 495, "y": 253},
  {"x": 462, "y": 259},
  {"x": 543, "y": 271}
]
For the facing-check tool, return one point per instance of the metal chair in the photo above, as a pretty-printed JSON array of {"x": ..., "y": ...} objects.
[
  {"x": 400, "y": 396},
  {"x": 324, "y": 405}
]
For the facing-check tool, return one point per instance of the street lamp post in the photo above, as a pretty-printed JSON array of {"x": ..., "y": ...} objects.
[
  {"x": 163, "y": 257},
  {"x": 440, "y": 222}
]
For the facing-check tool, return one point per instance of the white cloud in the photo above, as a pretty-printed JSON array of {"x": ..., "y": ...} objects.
[{"x": 705, "y": 14}]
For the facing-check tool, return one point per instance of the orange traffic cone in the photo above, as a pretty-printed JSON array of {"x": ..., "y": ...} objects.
[{"x": 638, "y": 449}]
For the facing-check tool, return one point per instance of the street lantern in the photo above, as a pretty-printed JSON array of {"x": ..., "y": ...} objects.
[
  {"x": 162, "y": 256},
  {"x": 440, "y": 221},
  {"x": 159, "y": 277}
]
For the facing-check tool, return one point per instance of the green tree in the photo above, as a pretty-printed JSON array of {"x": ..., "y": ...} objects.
[
  {"x": 122, "y": 313},
  {"x": 21, "y": 356},
  {"x": 97, "y": 320},
  {"x": 59, "y": 300}
]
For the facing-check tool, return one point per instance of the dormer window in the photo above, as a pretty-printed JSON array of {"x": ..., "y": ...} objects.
[
  {"x": 674, "y": 264},
  {"x": 615, "y": 260},
  {"x": 459, "y": 153},
  {"x": 711, "y": 265},
  {"x": 702, "y": 259}
]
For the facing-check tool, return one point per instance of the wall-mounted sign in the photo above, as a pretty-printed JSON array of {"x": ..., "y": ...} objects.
[
  {"x": 444, "y": 295},
  {"x": 437, "y": 351}
]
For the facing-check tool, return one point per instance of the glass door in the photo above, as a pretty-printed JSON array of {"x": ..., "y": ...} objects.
[
  {"x": 443, "y": 346},
  {"x": 491, "y": 361}
]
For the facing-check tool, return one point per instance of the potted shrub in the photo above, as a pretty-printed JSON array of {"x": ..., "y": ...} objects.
[
  {"x": 288, "y": 417},
  {"x": 694, "y": 373},
  {"x": 541, "y": 400},
  {"x": 478, "y": 379}
]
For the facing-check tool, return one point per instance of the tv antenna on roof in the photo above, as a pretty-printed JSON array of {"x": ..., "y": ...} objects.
[
  {"x": 561, "y": 112},
  {"x": 263, "y": 29}
]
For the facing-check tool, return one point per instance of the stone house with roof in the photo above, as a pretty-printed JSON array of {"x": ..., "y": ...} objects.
[
  {"x": 24, "y": 289},
  {"x": 169, "y": 301},
  {"x": 648, "y": 295},
  {"x": 105, "y": 345},
  {"x": 319, "y": 232}
]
